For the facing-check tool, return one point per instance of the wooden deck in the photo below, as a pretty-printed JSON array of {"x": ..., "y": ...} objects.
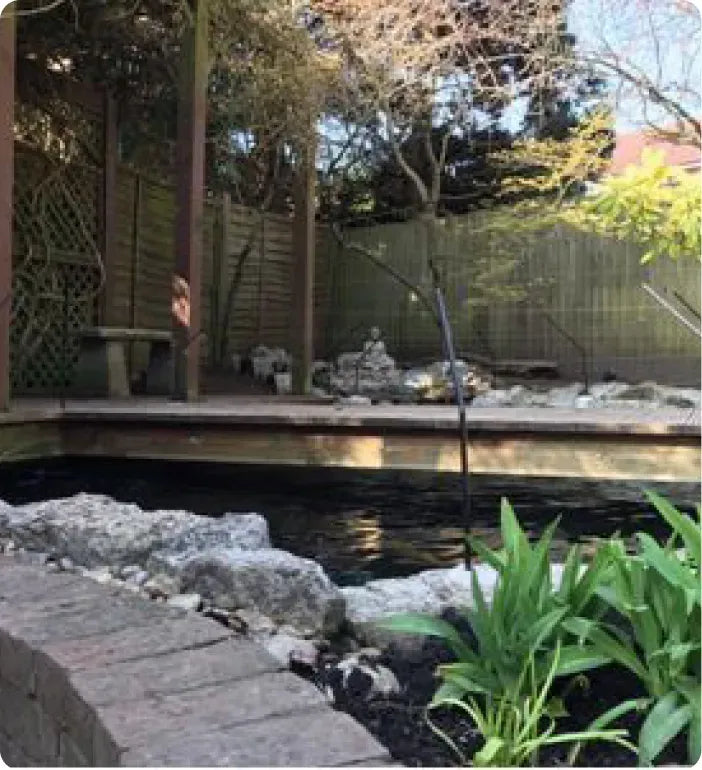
[{"x": 654, "y": 445}]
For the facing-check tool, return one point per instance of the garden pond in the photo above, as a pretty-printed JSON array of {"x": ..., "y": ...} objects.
[{"x": 358, "y": 525}]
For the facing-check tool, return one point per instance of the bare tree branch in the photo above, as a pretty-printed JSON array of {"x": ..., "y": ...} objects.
[{"x": 371, "y": 256}]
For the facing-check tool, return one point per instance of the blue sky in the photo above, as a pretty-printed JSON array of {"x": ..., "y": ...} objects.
[{"x": 665, "y": 44}]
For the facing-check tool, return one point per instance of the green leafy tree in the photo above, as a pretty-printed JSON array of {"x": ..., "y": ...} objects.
[{"x": 652, "y": 204}]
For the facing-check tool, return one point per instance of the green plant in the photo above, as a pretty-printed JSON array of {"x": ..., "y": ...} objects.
[
  {"x": 522, "y": 621},
  {"x": 517, "y": 725},
  {"x": 652, "y": 204},
  {"x": 657, "y": 592}
]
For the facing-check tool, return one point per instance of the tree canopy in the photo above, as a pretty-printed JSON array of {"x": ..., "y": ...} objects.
[{"x": 651, "y": 204}]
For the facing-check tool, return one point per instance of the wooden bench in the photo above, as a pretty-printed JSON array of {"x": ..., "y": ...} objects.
[
  {"x": 101, "y": 369},
  {"x": 525, "y": 367}
]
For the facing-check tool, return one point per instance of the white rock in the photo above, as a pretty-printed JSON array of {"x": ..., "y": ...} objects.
[
  {"x": 518, "y": 395},
  {"x": 299, "y": 631},
  {"x": 66, "y": 564},
  {"x": 95, "y": 529},
  {"x": 290, "y": 650},
  {"x": 355, "y": 400},
  {"x": 161, "y": 586},
  {"x": 564, "y": 396},
  {"x": 430, "y": 592},
  {"x": 255, "y": 622},
  {"x": 359, "y": 676},
  {"x": 683, "y": 398},
  {"x": 138, "y": 578},
  {"x": 266, "y": 361},
  {"x": 493, "y": 398},
  {"x": 129, "y": 570},
  {"x": 127, "y": 586},
  {"x": 191, "y": 602},
  {"x": 602, "y": 391},
  {"x": 100, "y": 574}
]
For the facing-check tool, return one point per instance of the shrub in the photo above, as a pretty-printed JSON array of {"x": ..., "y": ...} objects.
[
  {"x": 517, "y": 644},
  {"x": 524, "y": 618},
  {"x": 517, "y": 724},
  {"x": 657, "y": 593}
]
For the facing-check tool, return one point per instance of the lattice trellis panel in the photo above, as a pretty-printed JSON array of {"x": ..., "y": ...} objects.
[
  {"x": 55, "y": 205},
  {"x": 52, "y": 300},
  {"x": 57, "y": 262}
]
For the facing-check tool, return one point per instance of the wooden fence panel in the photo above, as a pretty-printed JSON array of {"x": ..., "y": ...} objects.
[{"x": 590, "y": 288}]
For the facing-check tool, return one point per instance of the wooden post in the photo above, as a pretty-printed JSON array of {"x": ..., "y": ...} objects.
[
  {"x": 302, "y": 326},
  {"x": 7, "y": 106},
  {"x": 190, "y": 184},
  {"x": 218, "y": 292},
  {"x": 108, "y": 212},
  {"x": 136, "y": 257}
]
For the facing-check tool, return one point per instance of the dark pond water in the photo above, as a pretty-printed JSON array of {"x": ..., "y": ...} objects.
[{"x": 358, "y": 525}]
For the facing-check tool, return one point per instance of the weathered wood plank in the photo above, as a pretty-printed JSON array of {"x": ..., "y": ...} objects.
[
  {"x": 7, "y": 102},
  {"x": 524, "y": 455}
]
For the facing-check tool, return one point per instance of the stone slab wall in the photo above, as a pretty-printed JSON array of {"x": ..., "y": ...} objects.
[{"x": 92, "y": 675}]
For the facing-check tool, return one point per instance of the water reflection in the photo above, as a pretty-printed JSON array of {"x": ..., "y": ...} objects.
[{"x": 358, "y": 524}]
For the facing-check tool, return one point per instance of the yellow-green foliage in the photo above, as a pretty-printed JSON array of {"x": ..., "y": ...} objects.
[
  {"x": 652, "y": 204},
  {"x": 562, "y": 164}
]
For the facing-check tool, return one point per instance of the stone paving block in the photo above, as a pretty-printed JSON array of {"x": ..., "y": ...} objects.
[
  {"x": 12, "y": 755},
  {"x": 319, "y": 738},
  {"x": 72, "y": 713},
  {"x": 17, "y": 663},
  {"x": 243, "y": 700},
  {"x": 21, "y": 583},
  {"x": 24, "y": 719},
  {"x": 21, "y": 642},
  {"x": 113, "y": 672},
  {"x": 154, "y": 638},
  {"x": 91, "y": 616},
  {"x": 69, "y": 753},
  {"x": 177, "y": 671},
  {"x": 105, "y": 751}
]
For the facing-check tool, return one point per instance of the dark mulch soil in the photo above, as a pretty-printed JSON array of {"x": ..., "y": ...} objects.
[{"x": 399, "y": 722}]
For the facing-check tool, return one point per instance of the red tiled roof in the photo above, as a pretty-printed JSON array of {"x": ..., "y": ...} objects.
[{"x": 629, "y": 147}]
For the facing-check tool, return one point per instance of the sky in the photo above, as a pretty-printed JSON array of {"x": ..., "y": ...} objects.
[
  {"x": 653, "y": 36},
  {"x": 665, "y": 46}
]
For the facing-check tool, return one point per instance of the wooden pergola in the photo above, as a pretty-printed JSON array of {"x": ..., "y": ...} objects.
[{"x": 190, "y": 191}]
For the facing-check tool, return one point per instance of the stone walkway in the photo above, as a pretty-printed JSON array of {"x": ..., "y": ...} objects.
[{"x": 92, "y": 675}]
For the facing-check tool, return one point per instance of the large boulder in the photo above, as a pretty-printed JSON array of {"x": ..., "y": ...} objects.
[
  {"x": 93, "y": 530},
  {"x": 286, "y": 588},
  {"x": 435, "y": 382},
  {"x": 430, "y": 592},
  {"x": 247, "y": 531}
]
